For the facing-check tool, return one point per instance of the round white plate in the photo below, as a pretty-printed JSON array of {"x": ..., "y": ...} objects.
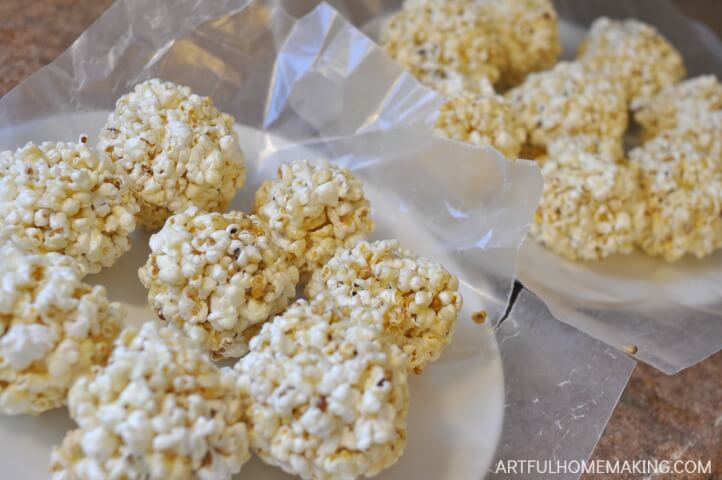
[{"x": 457, "y": 405}]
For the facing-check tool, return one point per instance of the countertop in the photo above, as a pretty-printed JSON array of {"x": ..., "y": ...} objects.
[{"x": 658, "y": 416}]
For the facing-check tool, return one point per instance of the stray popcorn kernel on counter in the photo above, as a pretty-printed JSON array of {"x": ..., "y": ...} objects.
[
  {"x": 177, "y": 149},
  {"x": 313, "y": 209},
  {"x": 160, "y": 409},
  {"x": 217, "y": 277},
  {"x": 590, "y": 206},
  {"x": 61, "y": 197},
  {"x": 328, "y": 397},
  {"x": 568, "y": 100},
  {"x": 415, "y": 300},
  {"x": 632, "y": 54},
  {"x": 53, "y": 327}
]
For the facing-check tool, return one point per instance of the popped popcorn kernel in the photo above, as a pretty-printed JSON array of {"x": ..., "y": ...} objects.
[
  {"x": 591, "y": 205},
  {"x": 482, "y": 120},
  {"x": 529, "y": 34},
  {"x": 177, "y": 149},
  {"x": 415, "y": 300},
  {"x": 53, "y": 328},
  {"x": 632, "y": 54},
  {"x": 217, "y": 277},
  {"x": 312, "y": 210},
  {"x": 328, "y": 397},
  {"x": 159, "y": 409},
  {"x": 435, "y": 41},
  {"x": 61, "y": 197},
  {"x": 681, "y": 177},
  {"x": 568, "y": 100},
  {"x": 684, "y": 106}
]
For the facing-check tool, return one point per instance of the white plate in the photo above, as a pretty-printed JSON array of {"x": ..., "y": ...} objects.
[{"x": 457, "y": 405}]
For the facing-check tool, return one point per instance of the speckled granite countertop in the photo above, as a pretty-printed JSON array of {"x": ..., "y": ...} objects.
[{"x": 657, "y": 417}]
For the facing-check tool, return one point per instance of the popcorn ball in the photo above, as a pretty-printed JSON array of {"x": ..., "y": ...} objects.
[
  {"x": 415, "y": 300},
  {"x": 568, "y": 100},
  {"x": 312, "y": 210},
  {"x": 529, "y": 34},
  {"x": 684, "y": 105},
  {"x": 632, "y": 54},
  {"x": 53, "y": 328},
  {"x": 60, "y": 197},
  {"x": 482, "y": 120},
  {"x": 328, "y": 397},
  {"x": 591, "y": 206},
  {"x": 438, "y": 40},
  {"x": 177, "y": 149},
  {"x": 217, "y": 277},
  {"x": 681, "y": 176},
  {"x": 160, "y": 409},
  {"x": 454, "y": 85}
]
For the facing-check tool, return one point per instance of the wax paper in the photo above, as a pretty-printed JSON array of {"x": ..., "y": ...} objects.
[{"x": 556, "y": 412}]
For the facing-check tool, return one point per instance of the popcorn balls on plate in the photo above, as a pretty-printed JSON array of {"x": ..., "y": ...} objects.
[
  {"x": 217, "y": 277},
  {"x": 312, "y": 210},
  {"x": 482, "y": 120},
  {"x": 591, "y": 206},
  {"x": 61, "y": 197},
  {"x": 328, "y": 397},
  {"x": 177, "y": 149},
  {"x": 53, "y": 328},
  {"x": 416, "y": 300},
  {"x": 436, "y": 40},
  {"x": 681, "y": 176},
  {"x": 632, "y": 54},
  {"x": 685, "y": 105},
  {"x": 568, "y": 100},
  {"x": 159, "y": 409},
  {"x": 529, "y": 36}
]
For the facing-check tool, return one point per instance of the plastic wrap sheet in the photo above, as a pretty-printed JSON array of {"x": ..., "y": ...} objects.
[
  {"x": 297, "y": 78},
  {"x": 561, "y": 389}
]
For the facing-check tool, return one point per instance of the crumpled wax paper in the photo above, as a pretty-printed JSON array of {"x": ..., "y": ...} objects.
[
  {"x": 556, "y": 412},
  {"x": 298, "y": 71},
  {"x": 669, "y": 314}
]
